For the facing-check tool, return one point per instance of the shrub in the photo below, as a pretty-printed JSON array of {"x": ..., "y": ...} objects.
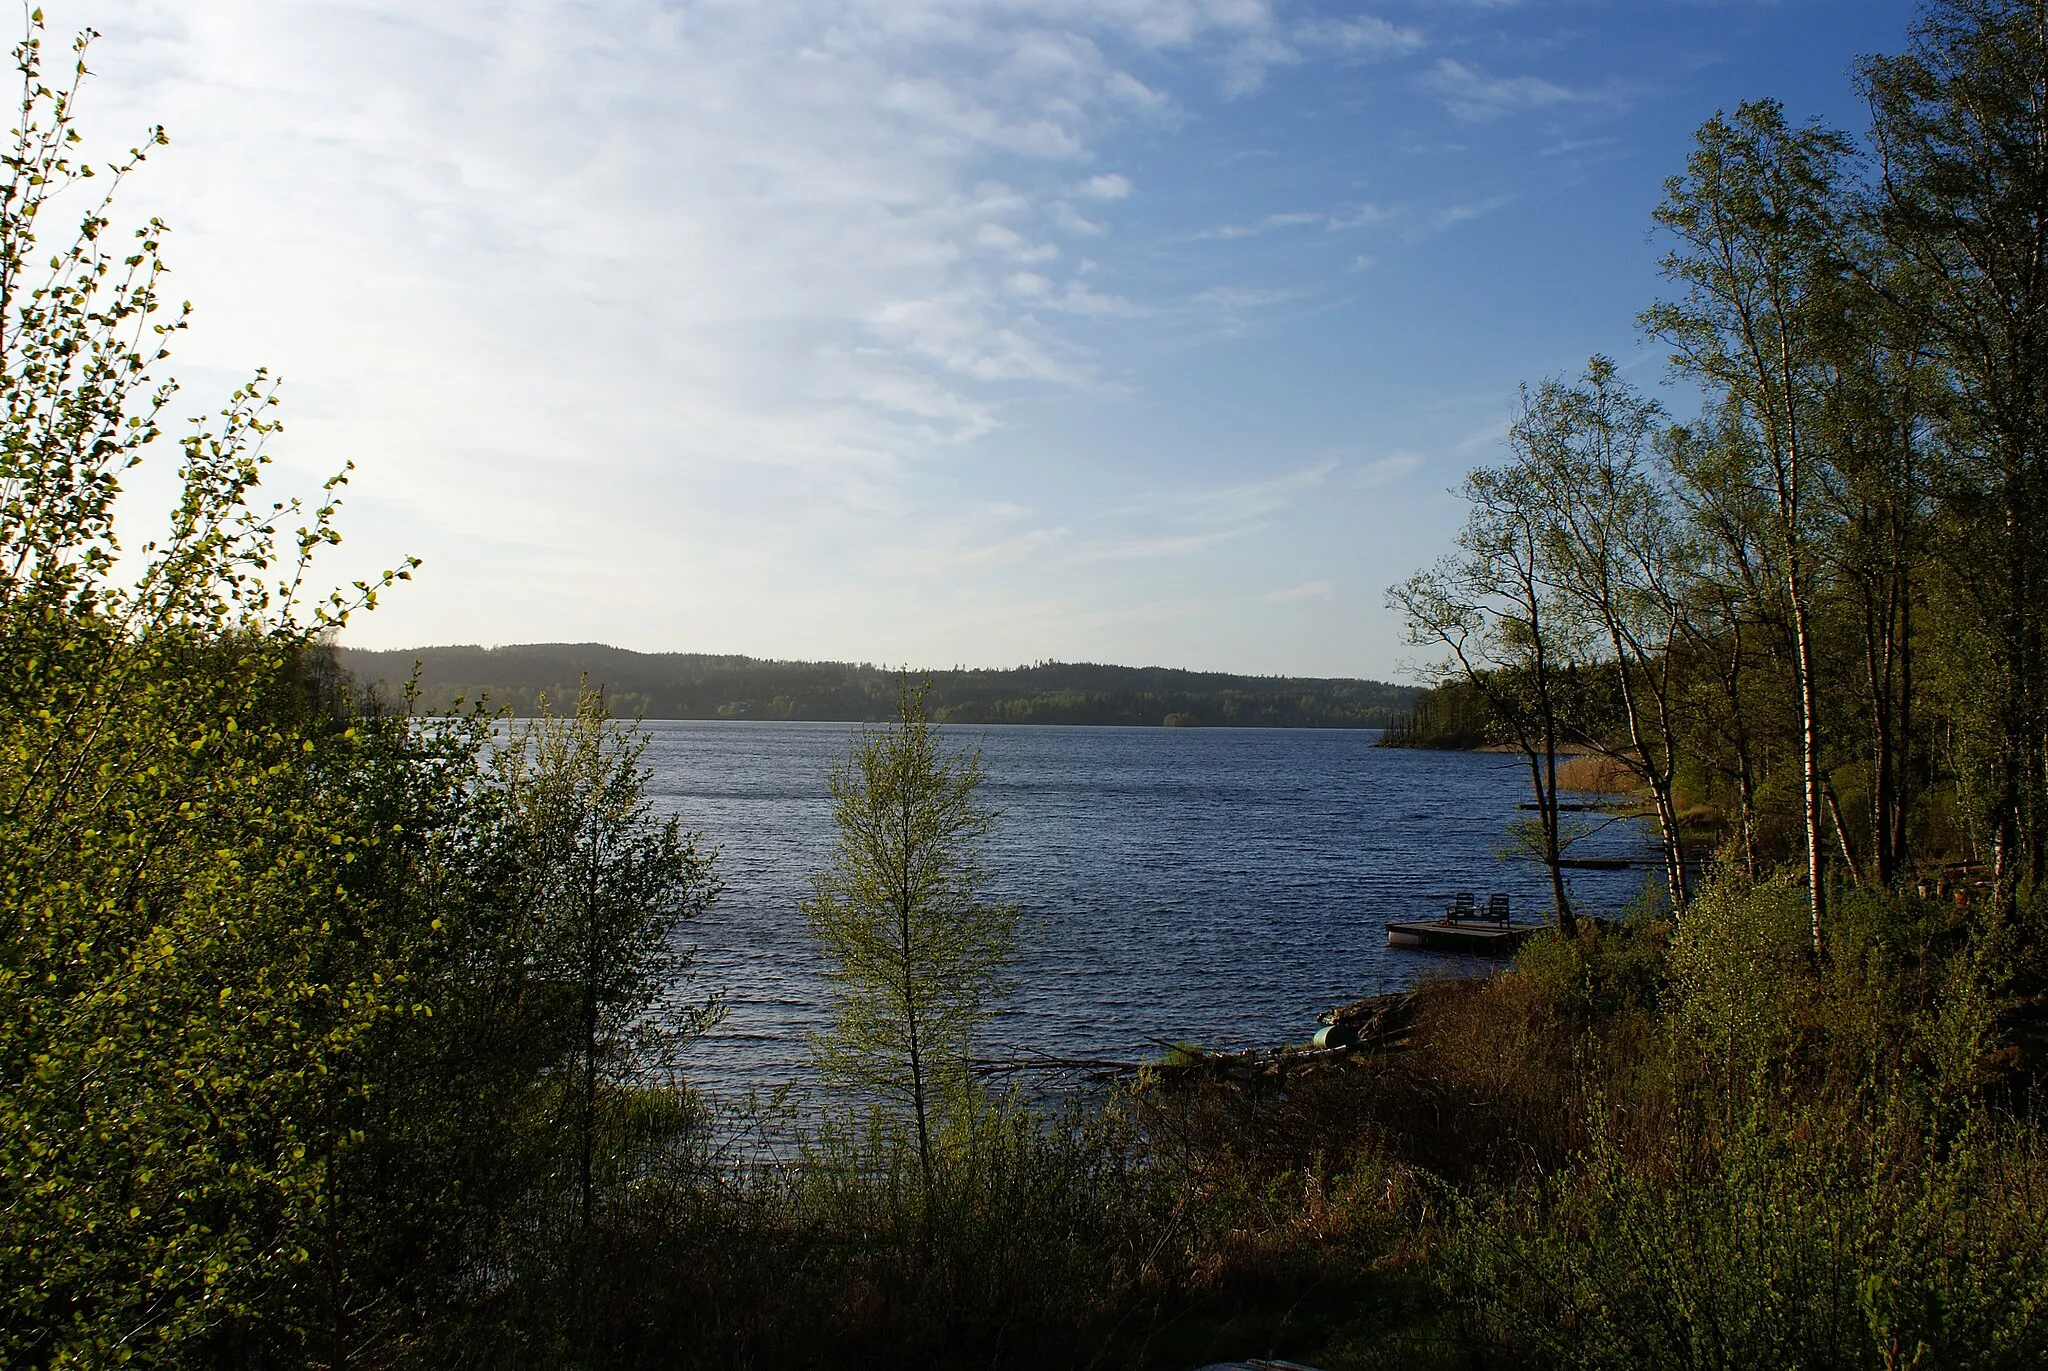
[
  {"x": 1804, "y": 1235},
  {"x": 1730, "y": 959}
]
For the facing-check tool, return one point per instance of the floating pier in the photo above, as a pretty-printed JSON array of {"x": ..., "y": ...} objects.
[{"x": 1487, "y": 937}]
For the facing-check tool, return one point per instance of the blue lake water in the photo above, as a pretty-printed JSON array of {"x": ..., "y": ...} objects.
[{"x": 1219, "y": 886}]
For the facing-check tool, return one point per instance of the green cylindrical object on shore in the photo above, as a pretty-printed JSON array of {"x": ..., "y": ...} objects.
[{"x": 1336, "y": 1035}]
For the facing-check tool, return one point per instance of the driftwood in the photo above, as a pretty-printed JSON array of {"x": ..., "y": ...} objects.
[{"x": 1378, "y": 1022}]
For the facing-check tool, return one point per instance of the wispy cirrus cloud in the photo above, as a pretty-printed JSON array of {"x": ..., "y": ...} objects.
[
  {"x": 1386, "y": 470},
  {"x": 1228, "y": 311},
  {"x": 1360, "y": 38},
  {"x": 1185, "y": 522},
  {"x": 1467, "y": 211},
  {"x": 1250, "y": 500},
  {"x": 1149, "y": 549},
  {"x": 1335, "y": 221},
  {"x": 819, "y": 235},
  {"x": 805, "y": 311},
  {"x": 1307, "y": 590},
  {"x": 1472, "y": 95}
]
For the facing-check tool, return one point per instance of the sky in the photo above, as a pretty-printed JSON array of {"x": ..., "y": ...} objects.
[{"x": 920, "y": 332}]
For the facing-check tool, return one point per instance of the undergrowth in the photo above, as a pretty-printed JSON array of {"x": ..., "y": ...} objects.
[{"x": 1662, "y": 1143}]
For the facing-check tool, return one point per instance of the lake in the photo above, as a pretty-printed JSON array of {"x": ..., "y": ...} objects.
[{"x": 1216, "y": 886}]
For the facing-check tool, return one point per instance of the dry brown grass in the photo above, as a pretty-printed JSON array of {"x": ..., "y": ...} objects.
[
  {"x": 1488, "y": 1082},
  {"x": 1595, "y": 775}
]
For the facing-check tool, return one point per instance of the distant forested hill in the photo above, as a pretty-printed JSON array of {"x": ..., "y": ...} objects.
[{"x": 689, "y": 685}]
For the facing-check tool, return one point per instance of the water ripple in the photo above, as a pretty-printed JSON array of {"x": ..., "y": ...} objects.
[{"x": 1221, "y": 886}]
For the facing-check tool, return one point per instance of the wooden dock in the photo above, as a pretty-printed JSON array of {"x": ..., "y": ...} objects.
[{"x": 1483, "y": 936}]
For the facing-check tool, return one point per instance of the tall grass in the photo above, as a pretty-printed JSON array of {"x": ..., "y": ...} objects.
[{"x": 1078, "y": 1240}]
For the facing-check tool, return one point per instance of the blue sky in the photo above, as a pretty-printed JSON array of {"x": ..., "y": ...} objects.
[{"x": 921, "y": 331}]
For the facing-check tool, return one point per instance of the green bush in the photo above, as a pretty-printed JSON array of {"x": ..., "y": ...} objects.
[
  {"x": 1796, "y": 1235},
  {"x": 1729, "y": 962}
]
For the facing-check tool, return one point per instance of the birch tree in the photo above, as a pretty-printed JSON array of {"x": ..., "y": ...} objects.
[
  {"x": 916, "y": 949},
  {"x": 1491, "y": 610},
  {"x": 1756, "y": 223},
  {"x": 1614, "y": 555},
  {"x": 1960, "y": 123}
]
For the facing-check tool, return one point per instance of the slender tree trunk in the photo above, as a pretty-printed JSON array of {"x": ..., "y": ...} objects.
[
  {"x": 1543, "y": 780},
  {"x": 586, "y": 1149},
  {"x": 1667, "y": 728},
  {"x": 2034, "y": 795},
  {"x": 906, "y": 937},
  {"x": 587, "y": 1141},
  {"x": 1841, "y": 831},
  {"x": 1790, "y": 513},
  {"x": 2006, "y": 856},
  {"x": 1880, "y": 619},
  {"x": 1553, "y": 854},
  {"x": 1546, "y": 706},
  {"x": 1906, "y": 756},
  {"x": 1657, "y": 775},
  {"x": 1745, "y": 766},
  {"x": 1809, "y": 757}
]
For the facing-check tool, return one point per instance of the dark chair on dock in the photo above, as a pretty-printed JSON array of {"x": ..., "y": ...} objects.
[
  {"x": 1460, "y": 907},
  {"x": 1497, "y": 908}
]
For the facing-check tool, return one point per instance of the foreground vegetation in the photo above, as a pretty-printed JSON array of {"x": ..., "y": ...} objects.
[
  {"x": 337, "y": 1034},
  {"x": 690, "y": 685}
]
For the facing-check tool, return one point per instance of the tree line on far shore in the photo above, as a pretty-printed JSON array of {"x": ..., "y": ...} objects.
[{"x": 688, "y": 685}]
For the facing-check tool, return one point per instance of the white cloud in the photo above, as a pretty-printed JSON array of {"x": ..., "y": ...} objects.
[
  {"x": 1107, "y": 186},
  {"x": 1065, "y": 217},
  {"x": 1073, "y": 298},
  {"x": 629, "y": 252},
  {"x": 693, "y": 323},
  {"x": 1245, "y": 68},
  {"x": 1006, "y": 242},
  {"x": 1572, "y": 146},
  {"x": 1363, "y": 36},
  {"x": 1359, "y": 216},
  {"x": 977, "y": 538}
]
